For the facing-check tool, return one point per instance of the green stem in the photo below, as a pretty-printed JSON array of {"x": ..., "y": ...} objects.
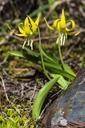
[
  {"x": 42, "y": 60},
  {"x": 59, "y": 49}
]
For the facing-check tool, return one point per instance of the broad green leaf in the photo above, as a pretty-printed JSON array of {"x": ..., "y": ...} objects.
[
  {"x": 56, "y": 70},
  {"x": 63, "y": 84},
  {"x": 52, "y": 65},
  {"x": 40, "y": 98}
]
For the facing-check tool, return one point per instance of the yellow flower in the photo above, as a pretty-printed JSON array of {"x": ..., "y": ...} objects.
[
  {"x": 61, "y": 25},
  {"x": 28, "y": 27}
]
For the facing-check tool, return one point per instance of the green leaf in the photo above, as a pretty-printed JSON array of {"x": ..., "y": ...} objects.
[
  {"x": 63, "y": 84},
  {"x": 47, "y": 56},
  {"x": 31, "y": 52},
  {"x": 55, "y": 69},
  {"x": 53, "y": 65},
  {"x": 69, "y": 70},
  {"x": 40, "y": 98},
  {"x": 17, "y": 53}
]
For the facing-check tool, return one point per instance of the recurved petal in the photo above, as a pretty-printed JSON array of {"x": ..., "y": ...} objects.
[
  {"x": 73, "y": 33},
  {"x": 56, "y": 24},
  {"x": 37, "y": 20},
  {"x": 68, "y": 30},
  {"x": 77, "y": 33},
  {"x": 72, "y": 24},
  {"x": 50, "y": 27},
  {"x": 21, "y": 35},
  {"x": 20, "y": 27}
]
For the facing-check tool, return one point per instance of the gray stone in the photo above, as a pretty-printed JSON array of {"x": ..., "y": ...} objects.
[{"x": 69, "y": 108}]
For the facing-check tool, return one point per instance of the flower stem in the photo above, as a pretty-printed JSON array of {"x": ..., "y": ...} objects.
[
  {"x": 42, "y": 61},
  {"x": 59, "y": 49}
]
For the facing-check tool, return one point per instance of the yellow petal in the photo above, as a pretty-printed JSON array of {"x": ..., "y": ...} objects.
[
  {"x": 56, "y": 24},
  {"x": 27, "y": 26},
  {"x": 37, "y": 20},
  {"x": 68, "y": 30},
  {"x": 72, "y": 24},
  {"x": 20, "y": 27},
  {"x": 20, "y": 35},
  {"x": 33, "y": 25},
  {"x": 50, "y": 27},
  {"x": 77, "y": 33},
  {"x": 63, "y": 20}
]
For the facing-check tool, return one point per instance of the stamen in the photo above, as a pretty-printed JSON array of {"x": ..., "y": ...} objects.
[
  {"x": 24, "y": 43},
  {"x": 28, "y": 43},
  {"x": 64, "y": 39},
  {"x": 61, "y": 39},
  {"x": 57, "y": 41},
  {"x": 31, "y": 44}
]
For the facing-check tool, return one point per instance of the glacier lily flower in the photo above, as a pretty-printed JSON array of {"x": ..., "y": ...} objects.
[
  {"x": 28, "y": 28},
  {"x": 61, "y": 25}
]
